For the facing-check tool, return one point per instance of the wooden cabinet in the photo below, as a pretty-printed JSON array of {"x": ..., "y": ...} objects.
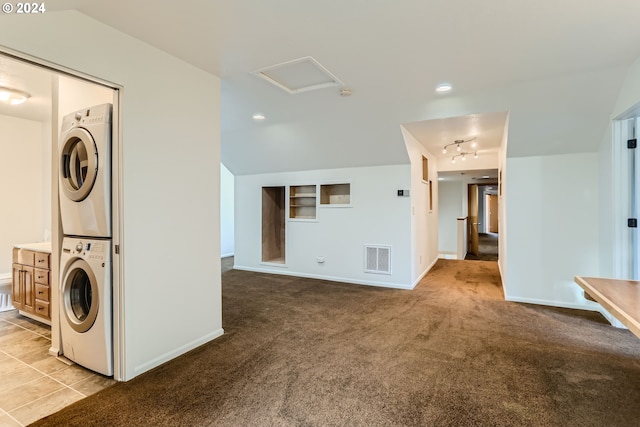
[{"x": 30, "y": 289}]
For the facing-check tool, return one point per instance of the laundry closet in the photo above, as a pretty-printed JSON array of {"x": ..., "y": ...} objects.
[{"x": 30, "y": 240}]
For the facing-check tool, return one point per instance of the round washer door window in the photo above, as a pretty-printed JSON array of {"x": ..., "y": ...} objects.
[
  {"x": 80, "y": 294},
  {"x": 79, "y": 164}
]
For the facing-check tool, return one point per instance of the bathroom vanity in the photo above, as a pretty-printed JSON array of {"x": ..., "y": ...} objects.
[{"x": 30, "y": 289}]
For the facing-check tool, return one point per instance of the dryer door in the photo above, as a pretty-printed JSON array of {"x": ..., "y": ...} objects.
[
  {"x": 80, "y": 296},
  {"x": 79, "y": 164}
]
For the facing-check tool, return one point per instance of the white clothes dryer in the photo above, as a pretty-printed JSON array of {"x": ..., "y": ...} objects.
[
  {"x": 85, "y": 172},
  {"x": 86, "y": 317}
]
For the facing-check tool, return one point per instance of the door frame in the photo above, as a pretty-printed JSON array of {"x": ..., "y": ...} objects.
[{"x": 117, "y": 205}]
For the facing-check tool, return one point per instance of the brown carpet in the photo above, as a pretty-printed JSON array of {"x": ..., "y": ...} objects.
[{"x": 301, "y": 352}]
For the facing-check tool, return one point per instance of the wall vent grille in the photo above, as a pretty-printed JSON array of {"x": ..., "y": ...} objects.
[{"x": 377, "y": 259}]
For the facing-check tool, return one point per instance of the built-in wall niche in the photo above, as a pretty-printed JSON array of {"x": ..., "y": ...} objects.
[
  {"x": 273, "y": 224},
  {"x": 302, "y": 202},
  {"x": 335, "y": 195}
]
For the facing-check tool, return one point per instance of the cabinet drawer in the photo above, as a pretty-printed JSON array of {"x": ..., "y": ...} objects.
[
  {"x": 41, "y": 276},
  {"x": 41, "y": 260},
  {"x": 26, "y": 257},
  {"x": 42, "y": 308},
  {"x": 42, "y": 293}
]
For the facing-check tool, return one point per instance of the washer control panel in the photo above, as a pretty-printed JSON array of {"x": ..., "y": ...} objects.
[{"x": 90, "y": 250}]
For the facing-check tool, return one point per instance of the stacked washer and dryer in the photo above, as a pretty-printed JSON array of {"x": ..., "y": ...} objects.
[{"x": 86, "y": 314}]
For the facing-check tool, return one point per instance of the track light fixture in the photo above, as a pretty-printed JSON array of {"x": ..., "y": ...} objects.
[
  {"x": 463, "y": 156},
  {"x": 458, "y": 143}
]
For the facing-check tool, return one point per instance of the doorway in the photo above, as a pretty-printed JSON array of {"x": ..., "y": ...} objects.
[
  {"x": 273, "y": 225},
  {"x": 482, "y": 222},
  {"x": 626, "y": 202},
  {"x": 51, "y": 93}
]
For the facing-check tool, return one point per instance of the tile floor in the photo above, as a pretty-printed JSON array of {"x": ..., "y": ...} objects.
[{"x": 34, "y": 384}]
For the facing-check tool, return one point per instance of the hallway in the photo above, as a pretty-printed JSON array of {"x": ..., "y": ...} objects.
[{"x": 487, "y": 248}]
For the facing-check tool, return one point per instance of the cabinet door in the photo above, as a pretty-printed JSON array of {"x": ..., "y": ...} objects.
[
  {"x": 29, "y": 289},
  {"x": 17, "y": 286}
]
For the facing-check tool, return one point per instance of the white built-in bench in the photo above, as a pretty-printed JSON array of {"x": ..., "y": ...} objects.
[{"x": 620, "y": 297}]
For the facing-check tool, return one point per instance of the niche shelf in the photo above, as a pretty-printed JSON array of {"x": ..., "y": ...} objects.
[
  {"x": 335, "y": 195},
  {"x": 302, "y": 202},
  {"x": 273, "y": 225}
]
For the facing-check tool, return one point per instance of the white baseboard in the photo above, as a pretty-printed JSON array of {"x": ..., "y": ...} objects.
[
  {"x": 175, "y": 353},
  {"x": 424, "y": 273},
  {"x": 590, "y": 307},
  {"x": 502, "y": 280},
  {"x": 321, "y": 277},
  {"x": 551, "y": 303}
]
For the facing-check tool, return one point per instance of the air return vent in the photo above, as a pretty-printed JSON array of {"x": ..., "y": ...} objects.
[
  {"x": 377, "y": 259},
  {"x": 299, "y": 75}
]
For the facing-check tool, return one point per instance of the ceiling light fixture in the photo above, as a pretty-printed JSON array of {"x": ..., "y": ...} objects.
[
  {"x": 258, "y": 117},
  {"x": 463, "y": 156},
  {"x": 13, "y": 96},
  {"x": 458, "y": 143},
  {"x": 444, "y": 88}
]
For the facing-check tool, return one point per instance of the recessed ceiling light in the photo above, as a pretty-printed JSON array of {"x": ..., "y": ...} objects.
[
  {"x": 444, "y": 87},
  {"x": 258, "y": 117},
  {"x": 485, "y": 177}
]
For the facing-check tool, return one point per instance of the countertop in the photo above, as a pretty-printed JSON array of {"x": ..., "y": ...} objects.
[
  {"x": 620, "y": 297},
  {"x": 38, "y": 247}
]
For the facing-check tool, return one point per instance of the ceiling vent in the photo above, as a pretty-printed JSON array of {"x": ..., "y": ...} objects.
[{"x": 299, "y": 75}]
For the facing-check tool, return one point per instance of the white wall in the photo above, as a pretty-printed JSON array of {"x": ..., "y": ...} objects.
[
  {"x": 502, "y": 204},
  {"x": 552, "y": 206},
  {"x": 629, "y": 94},
  {"x": 23, "y": 185},
  {"x": 75, "y": 94},
  {"x": 424, "y": 218},
  {"x": 226, "y": 212},
  {"x": 377, "y": 216},
  {"x": 450, "y": 197},
  {"x": 171, "y": 180}
]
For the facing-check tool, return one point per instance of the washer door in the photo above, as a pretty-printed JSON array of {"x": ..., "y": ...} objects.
[
  {"x": 80, "y": 296},
  {"x": 79, "y": 164}
]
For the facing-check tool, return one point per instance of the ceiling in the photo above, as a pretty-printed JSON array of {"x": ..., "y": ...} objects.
[
  {"x": 486, "y": 130},
  {"x": 478, "y": 176},
  {"x": 555, "y": 67},
  {"x": 31, "y": 79}
]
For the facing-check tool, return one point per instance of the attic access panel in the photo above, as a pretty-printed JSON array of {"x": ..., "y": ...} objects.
[{"x": 299, "y": 75}]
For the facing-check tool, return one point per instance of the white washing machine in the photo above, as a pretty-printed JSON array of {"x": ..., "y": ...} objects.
[
  {"x": 86, "y": 317},
  {"x": 85, "y": 172}
]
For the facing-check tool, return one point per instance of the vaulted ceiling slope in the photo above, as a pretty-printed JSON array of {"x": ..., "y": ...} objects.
[{"x": 556, "y": 66}]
